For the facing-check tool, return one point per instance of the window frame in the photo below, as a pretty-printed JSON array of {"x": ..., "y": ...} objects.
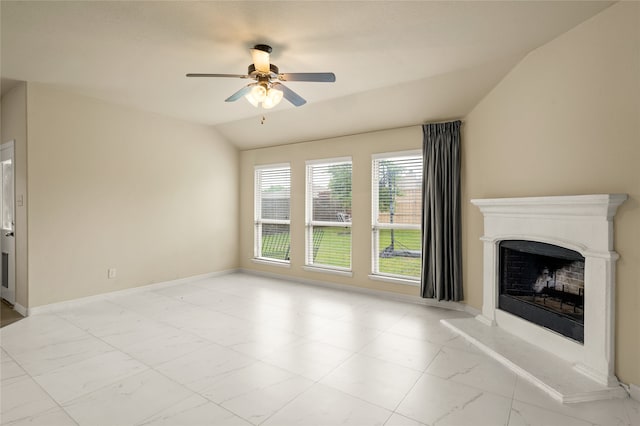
[
  {"x": 257, "y": 215},
  {"x": 376, "y": 226},
  {"x": 309, "y": 263}
]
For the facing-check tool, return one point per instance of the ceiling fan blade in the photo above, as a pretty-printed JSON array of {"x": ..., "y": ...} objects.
[
  {"x": 290, "y": 95},
  {"x": 260, "y": 60},
  {"x": 240, "y": 93},
  {"x": 218, "y": 75},
  {"x": 323, "y": 77}
]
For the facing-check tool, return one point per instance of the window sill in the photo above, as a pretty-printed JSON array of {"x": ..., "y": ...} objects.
[
  {"x": 271, "y": 262},
  {"x": 341, "y": 272},
  {"x": 396, "y": 280}
]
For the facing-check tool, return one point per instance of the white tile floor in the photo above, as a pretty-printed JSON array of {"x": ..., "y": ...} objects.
[{"x": 243, "y": 350}]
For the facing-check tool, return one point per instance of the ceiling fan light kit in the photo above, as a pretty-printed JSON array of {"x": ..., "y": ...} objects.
[
  {"x": 262, "y": 94},
  {"x": 268, "y": 91}
]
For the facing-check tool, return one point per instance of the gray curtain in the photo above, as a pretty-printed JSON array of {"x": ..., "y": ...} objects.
[{"x": 441, "y": 217}]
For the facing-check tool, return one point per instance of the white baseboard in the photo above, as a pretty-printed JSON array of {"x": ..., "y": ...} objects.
[
  {"x": 634, "y": 391},
  {"x": 21, "y": 309},
  {"x": 456, "y": 306},
  {"x": 54, "y": 307}
]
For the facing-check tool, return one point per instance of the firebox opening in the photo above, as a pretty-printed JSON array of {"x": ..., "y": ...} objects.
[{"x": 544, "y": 284}]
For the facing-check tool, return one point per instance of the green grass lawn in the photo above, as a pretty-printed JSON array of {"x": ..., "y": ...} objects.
[
  {"x": 404, "y": 240},
  {"x": 409, "y": 239},
  {"x": 334, "y": 249},
  {"x": 276, "y": 245}
]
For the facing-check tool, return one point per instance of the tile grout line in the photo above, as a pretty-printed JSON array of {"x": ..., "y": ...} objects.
[
  {"x": 148, "y": 368},
  {"x": 317, "y": 382},
  {"x": 262, "y": 359},
  {"x": 30, "y": 377},
  {"x": 171, "y": 379},
  {"x": 395, "y": 410}
]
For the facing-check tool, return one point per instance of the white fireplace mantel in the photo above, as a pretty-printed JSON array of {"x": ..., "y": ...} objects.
[{"x": 583, "y": 223}]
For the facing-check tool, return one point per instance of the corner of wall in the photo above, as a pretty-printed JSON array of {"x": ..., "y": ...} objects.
[
  {"x": 563, "y": 121},
  {"x": 15, "y": 127}
]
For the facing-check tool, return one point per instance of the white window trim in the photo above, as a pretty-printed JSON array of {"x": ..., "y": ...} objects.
[
  {"x": 257, "y": 213},
  {"x": 396, "y": 279},
  {"x": 334, "y": 160},
  {"x": 271, "y": 262},
  {"x": 329, "y": 224},
  {"x": 333, "y": 270},
  {"x": 396, "y": 154},
  {"x": 375, "y": 225},
  {"x": 274, "y": 221},
  {"x": 310, "y": 224},
  {"x": 400, "y": 226},
  {"x": 271, "y": 166}
]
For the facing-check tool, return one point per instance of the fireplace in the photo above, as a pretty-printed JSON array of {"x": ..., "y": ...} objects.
[
  {"x": 549, "y": 283},
  {"x": 544, "y": 284}
]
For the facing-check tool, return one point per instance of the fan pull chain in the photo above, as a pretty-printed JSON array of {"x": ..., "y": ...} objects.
[{"x": 263, "y": 119}]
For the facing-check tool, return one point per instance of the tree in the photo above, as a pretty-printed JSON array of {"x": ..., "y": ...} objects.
[
  {"x": 388, "y": 190},
  {"x": 340, "y": 185}
]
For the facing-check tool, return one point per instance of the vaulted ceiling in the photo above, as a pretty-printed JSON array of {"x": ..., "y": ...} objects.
[{"x": 397, "y": 63}]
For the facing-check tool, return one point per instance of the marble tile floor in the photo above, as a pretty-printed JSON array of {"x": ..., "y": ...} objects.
[{"x": 245, "y": 350}]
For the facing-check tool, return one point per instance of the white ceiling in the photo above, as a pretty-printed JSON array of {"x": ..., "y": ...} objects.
[{"x": 396, "y": 63}]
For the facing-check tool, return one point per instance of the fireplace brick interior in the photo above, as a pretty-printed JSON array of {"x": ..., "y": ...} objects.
[{"x": 544, "y": 284}]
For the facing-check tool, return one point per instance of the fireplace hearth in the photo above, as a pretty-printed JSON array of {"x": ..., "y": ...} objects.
[
  {"x": 551, "y": 257},
  {"x": 544, "y": 284}
]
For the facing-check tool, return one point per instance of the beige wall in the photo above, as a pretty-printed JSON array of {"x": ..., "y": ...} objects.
[
  {"x": 566, "y": 121},
  {"x": 359, "y": 147},
  {"x": 14, "y": 127},
  {"x": 113, "y": 187}
]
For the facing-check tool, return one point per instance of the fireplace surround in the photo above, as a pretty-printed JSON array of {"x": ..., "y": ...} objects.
[{"x": 582, "y": 224}]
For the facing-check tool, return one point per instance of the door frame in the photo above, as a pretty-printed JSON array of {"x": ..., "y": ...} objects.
[{"x": 10, "y": 293}]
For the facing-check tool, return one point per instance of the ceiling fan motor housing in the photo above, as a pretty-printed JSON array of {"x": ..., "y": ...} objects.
[{"x": 253, "y": 72}]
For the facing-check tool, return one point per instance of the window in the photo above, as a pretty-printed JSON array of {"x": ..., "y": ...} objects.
[
  {"x": 328, "y": 218},
  {"x": 397, "y": 214},
  {"x": 6, "y": 168},
  {"x": 272, "y": 200}
]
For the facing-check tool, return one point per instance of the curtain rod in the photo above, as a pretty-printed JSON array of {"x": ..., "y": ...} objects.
[{"x": 446, "y": 121}]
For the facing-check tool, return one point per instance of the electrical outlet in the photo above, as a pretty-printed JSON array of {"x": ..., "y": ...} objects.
[{"x": 111, "y": 273}]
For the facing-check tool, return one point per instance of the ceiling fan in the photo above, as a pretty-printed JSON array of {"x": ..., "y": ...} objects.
[{"x": 267, "y": 90}]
